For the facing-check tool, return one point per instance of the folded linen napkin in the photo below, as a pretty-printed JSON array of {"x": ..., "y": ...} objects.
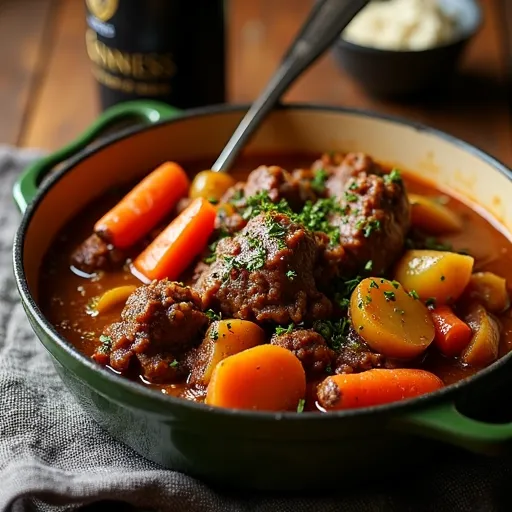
[{"x": 54, "y": 457}]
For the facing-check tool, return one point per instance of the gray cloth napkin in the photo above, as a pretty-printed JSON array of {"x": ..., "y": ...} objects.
[{"x": 54, "y": 457}]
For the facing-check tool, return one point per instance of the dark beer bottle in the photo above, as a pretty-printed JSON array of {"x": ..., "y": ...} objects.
[{"x": 168, "y": 50}]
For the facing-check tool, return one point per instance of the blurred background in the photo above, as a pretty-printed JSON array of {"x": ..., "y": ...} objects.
[{"x": 48, "y": 94}]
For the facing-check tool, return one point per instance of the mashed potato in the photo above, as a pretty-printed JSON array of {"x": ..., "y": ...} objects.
[{"x": 401, "y": 25}]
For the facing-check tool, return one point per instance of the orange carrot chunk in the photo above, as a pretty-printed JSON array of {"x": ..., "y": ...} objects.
[
  {"x": 263, "y": 378},
  {"x": 375, "y": 387},
  {"x": 144, "y": 206},
  {"x": 452, "y": 334},
  {"x": 174, "y": 249}
]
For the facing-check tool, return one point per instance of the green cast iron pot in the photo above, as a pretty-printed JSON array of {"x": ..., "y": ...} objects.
[{"x": 249, "y": 449}]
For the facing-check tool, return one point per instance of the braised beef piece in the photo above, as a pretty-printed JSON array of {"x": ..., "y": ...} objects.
[
  {"x": 310, "y": 348},
  {"x": 355, "y": 356},
  {"x": 295, "y": 187},
  {"x": 265, "y": 273},
  {"x": 373, "y": 225},
  {"x": 159, "y": 323},
  {"x": 95, "y": 254},
  {"x": 340, "y": 167}
]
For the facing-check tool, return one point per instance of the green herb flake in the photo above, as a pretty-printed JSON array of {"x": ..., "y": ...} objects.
[
  {"x": 414, "y": 294},
  {"x": 368, "y": 300},
  {"x": 328, "y": 369},
  {"x": 173, "y": 364},
  {"x": 395, "y": 284},
  {"x": 106, "y": 344},
  {"x": 369, "y": 265},
  {"x": 284, "y": 330},
  {"x": 214, "y": 332},
  {"x": 334, "y": 333},
  {"x": 431, "y": 301},
  {"x": 318, "y": 181},
  {"x": 353, "y": 186},
  {"x": 212, "y": 315},
  {"x": 213, "y": 200},
  {"x": 351, "y": 198},
  {"x": 373, "y": 284},
  {"x": 371, "y": 226},
  {"x": 291, "y": 274},
  {"x": 393, "y": 177},
  {"x": 300, "y": 405},
  {"x": 360, "y": 304},
  {"x": 389, "y": 296}
]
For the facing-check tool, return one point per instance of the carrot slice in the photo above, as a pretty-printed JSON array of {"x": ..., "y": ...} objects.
[
  {"x": 264, "y": 378},
  {"x": 174, "y": 249},
  {"x": 144, "y": 206},
  {"x": 452, "y": 334},
  {"x": 375, "y": 387}
]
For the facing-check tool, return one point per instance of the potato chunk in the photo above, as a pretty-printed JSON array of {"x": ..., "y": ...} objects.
[
  {"x": 435, "y": 275},
  {"x": 391, "y": 321},
  {"x": 483, "y": 348},
  {"x": 433, "y": 217},
  {"x": 224, "y": 338},
  {"x": 490, "y": 290}
]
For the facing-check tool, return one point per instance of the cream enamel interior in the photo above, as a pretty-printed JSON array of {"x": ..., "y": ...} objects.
[{"x": 428, "y": 155}]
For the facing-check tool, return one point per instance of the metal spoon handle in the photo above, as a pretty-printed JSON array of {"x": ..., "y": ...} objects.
[{"x": 324, "y": 24}]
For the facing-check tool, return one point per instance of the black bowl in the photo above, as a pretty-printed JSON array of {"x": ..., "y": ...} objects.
[{"x": 405, "y": 73}]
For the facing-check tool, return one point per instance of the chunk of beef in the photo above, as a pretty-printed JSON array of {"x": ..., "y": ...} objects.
[
  {"x": 356, "y": 356},
  {"x": 278, "y": 183},
  {"x": 373, "y": 226},
  {"x": 95, "y": 254},
  {"x": 265, "y": 273},
  {"x": 159, "y": 323},
  {"x": 341, "y": 167},
  {"x": 310, "y": 348}
]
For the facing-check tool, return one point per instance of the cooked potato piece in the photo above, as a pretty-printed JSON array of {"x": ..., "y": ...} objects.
[
  {"x": 434, "y": 275},
  {"x": 484, "y": 345},
  {"x": 389, "y": 319},
  {"x": 490, "y": 290},
  {"x": 210, "y": 185},
  {"x": 114, "y": 297},
  {"x": 433, "y": 217},
  {"x": 224, "y": 338}
]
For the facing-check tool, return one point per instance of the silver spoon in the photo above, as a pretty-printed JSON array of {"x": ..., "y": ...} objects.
[{"x": 324, "y": 24}]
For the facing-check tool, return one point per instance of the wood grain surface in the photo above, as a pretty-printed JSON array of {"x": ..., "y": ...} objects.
[{"x": 50, "y": 96}]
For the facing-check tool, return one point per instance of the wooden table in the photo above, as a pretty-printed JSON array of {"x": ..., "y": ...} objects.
[{"x": 47, "y": 94}]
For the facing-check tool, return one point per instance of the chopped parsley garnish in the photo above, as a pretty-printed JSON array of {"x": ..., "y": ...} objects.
[
  {"x": 342, "y": 297},
  {"x": 389, "y": 296},
  {"x": 369, "y": 265},
  {"x": 318, "y": 182},
  {"x": 395, "y": 284},
  {"x": 214, "y": 332},
  {"x": 371, "y": 226},
  {"x": 212, "y": 315},
  {"x": 213, "y": 200},
  {"x": 414, "y": 294},
  {"x": 291, "y": 274},
  {"x": 300, "y": 405},
  {"x": 334, "y": 333},
  {"x": 257, "y": 255},
  {"x": 431, "y": 301},
  {"x": 282, "y": 330},
  {"x": 353, "y": 186},
  {"x": 373, "y": 284},
  {"x": 173, "y": 364},
  {"x": 393, "y": 177},
  {"x": 106, "y": 344},
  {"x": 276, "y": 231},
  {"x": 261, "y": 202},
  {"x": 351, "y": 198},
  {"x": 315, "y": 217}
]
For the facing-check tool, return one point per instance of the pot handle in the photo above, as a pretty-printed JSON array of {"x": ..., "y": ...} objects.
[
  {"x": 137, "y": 111},
  {"x": 444, "y": 422}
]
